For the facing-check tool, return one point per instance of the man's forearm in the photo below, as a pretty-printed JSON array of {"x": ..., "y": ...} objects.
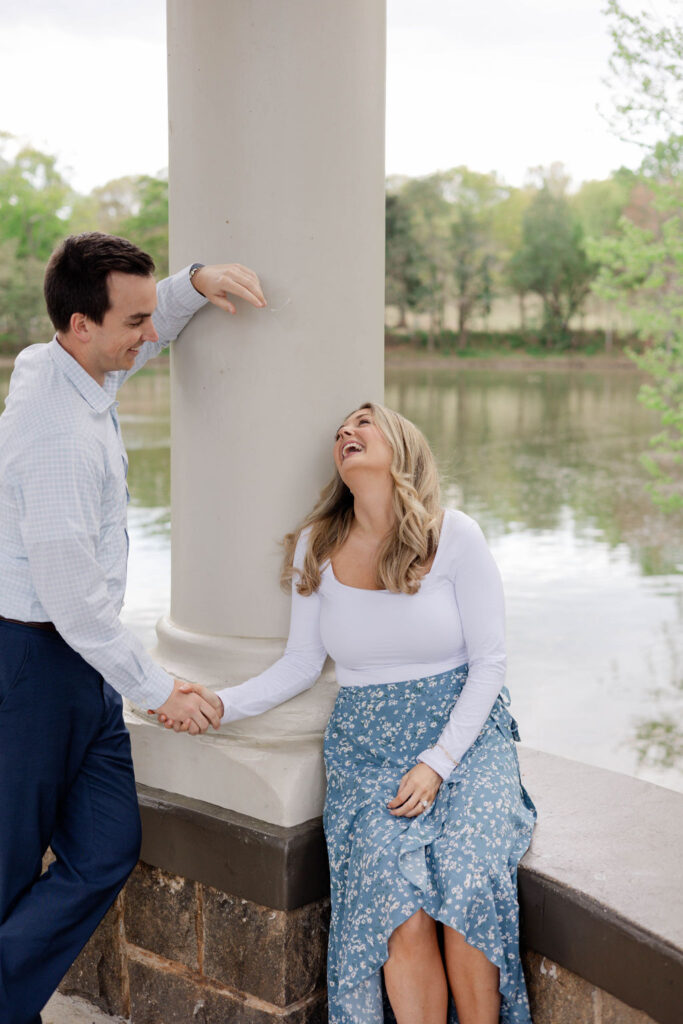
[{"x": 89, "y": 623}]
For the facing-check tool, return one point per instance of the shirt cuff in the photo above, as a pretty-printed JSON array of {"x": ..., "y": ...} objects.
[
  {"x": 226, "y": 707},
  {"x": 438, "y": 761},
  {"x": 185, "y": 293},
  {"x": 157, "y": 688}
]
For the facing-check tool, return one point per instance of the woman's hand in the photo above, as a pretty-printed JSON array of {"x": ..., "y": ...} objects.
[
  {"x": 188, "y": 725},
  {"x": 418, "y": 787}
]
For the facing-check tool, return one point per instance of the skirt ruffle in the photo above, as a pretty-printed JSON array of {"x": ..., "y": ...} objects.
[{"x": 457, "y": 861}]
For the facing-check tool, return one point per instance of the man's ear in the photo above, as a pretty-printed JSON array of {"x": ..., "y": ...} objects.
[{"x": 79, "y": 326}]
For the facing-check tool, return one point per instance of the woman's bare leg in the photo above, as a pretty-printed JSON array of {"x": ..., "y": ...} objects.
[
  {"x": 473, "y": 979},
  {"x": 414, "y": 973}
]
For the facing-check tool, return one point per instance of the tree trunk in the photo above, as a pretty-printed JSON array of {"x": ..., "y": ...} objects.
[{"x": 463, "y": 316}]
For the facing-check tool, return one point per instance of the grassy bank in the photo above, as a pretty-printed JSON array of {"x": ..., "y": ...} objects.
[
  {"x": 507, "y": 349},
  {"x": 494, "y": 351},
  {"x": 409, "y": 358}
]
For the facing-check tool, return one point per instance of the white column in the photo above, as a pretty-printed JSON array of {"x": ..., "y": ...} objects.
[{"x": 276, "y": 116}]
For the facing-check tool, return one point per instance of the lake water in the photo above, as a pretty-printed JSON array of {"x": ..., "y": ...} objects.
[{"x": 547, "y": 462}]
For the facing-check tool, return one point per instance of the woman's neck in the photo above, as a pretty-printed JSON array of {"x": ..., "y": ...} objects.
[{"x": 373, "y": 507}]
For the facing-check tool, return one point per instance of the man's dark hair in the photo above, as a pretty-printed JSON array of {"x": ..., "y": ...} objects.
[{"x": 77, "y": 272}]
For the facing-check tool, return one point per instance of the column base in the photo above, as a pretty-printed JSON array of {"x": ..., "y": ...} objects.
[
  {"x": 269, "y": 767},
  {"x": 285, "y": 787}
]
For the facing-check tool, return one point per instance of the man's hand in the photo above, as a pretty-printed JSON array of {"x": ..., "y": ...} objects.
[
  {"x": 190, "y": 708},
  {"x": 222, "y": 279}
]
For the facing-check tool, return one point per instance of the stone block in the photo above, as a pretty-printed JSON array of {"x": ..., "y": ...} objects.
[
  {"x": 161, "y": 995},
  {"x": 99, "y": 973},
  {"x": 161, "y": 914},
  {"x": 305, "y": 953},
  {"x": 275, "y": 955},
  {"x": 613, "y": 1011},
  {"x": 557, "y": 996}
]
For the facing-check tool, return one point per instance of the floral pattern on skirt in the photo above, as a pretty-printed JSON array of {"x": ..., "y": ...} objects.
[{"x": 458, "y": 860}]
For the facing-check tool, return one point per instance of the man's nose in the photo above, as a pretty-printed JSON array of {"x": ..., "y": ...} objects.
[{"x": 151, "y": 333}]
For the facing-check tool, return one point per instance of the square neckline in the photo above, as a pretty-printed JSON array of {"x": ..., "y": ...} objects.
[{"x": 375, "y": 590}]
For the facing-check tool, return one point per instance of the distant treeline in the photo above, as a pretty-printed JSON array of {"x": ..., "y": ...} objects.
[
  {"x": 455, "y": 239},
  {"x": 459, "y": 240}
]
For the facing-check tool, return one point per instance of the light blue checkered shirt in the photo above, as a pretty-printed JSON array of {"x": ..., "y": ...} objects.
[{"x": 63, "y": 498}]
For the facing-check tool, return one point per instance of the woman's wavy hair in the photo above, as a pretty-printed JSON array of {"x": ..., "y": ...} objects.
[{"x": 417, "y": 505}]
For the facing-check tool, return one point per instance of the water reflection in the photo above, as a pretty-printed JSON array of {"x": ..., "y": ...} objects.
[{"x": 548, "y": 463}]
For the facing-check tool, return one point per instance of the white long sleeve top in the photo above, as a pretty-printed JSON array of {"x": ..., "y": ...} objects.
[{"x": 375, "y": 637}]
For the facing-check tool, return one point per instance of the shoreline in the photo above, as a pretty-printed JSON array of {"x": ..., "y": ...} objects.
[{"x": 411, "y": 359}]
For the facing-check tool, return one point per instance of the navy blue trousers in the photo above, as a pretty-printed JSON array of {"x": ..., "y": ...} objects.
[{"x": 66, "y": 781}]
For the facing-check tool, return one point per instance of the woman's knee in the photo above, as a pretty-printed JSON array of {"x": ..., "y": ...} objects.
[{"x": 415, "y": 929}]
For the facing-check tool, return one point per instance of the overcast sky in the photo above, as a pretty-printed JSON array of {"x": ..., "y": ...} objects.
[{"x": 493, "y": 84}]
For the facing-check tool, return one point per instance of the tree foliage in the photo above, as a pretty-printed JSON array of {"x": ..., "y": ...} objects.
[
  {"x": 645, "y": 74},
  {"x": 38, "y": 208},
  {"x": 642, "y": 265},
  {"x": 552, "y": 262},
  {"x": 34, "y": 207}
]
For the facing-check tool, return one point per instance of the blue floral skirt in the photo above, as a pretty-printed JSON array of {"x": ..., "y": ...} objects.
[{"x": 457, "y": 861}]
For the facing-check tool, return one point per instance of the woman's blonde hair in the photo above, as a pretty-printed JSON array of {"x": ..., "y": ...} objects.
[{"x": 417, "y": 505}]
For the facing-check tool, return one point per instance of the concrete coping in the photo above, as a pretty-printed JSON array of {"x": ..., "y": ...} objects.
[
  {"x": 600, "y": 886},
  {"x": 612, "y": 838}
]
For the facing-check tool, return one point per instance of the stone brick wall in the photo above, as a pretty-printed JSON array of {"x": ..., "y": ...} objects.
[
  {"x": 172, "y": 951},
  {"x": 559, "y": 997}
]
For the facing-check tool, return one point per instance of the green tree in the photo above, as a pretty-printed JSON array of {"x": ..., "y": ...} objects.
[
  {"x": 147, "y": 225},
  {"x": 430, "y": 218},
  {"x": 403, "y": 255},
  {"x": 552, "y": 261},
  {"x": 135, "y": 206},
  {"x": 507, "y": 218},
  {"x": 440, "y": 244},
  {"x": 473, "y": 198},
  {"x": 599, "y": 205},
  {"x": 34, "y": 201},
  {"x": 35, "y": 206},
  {"x": 642, "y": 267},
  {"x": 645, "y": 75}
]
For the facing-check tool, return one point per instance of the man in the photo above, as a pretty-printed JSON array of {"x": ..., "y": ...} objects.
[{"x": 66, "y": 776}]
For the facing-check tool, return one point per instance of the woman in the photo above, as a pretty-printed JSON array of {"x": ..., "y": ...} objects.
[{"x": 425, "y": 815}]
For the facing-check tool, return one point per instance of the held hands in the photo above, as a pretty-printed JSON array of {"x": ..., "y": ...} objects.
[
  {"x": 222, "y": 279},
  {"x": 418, "y": 788},
  {"x": 190, "y": 708}
]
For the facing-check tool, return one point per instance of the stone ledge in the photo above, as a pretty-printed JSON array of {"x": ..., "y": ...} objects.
[
  {"x": 602, "y": 948},
  {"x": 603, "y": 910},
  {"x": 278, "y": 867},
  {"x": 598, "y": 887}
]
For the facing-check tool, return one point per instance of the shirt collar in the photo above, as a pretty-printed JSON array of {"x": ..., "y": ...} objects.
[{"x": 87, "y": 387}]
